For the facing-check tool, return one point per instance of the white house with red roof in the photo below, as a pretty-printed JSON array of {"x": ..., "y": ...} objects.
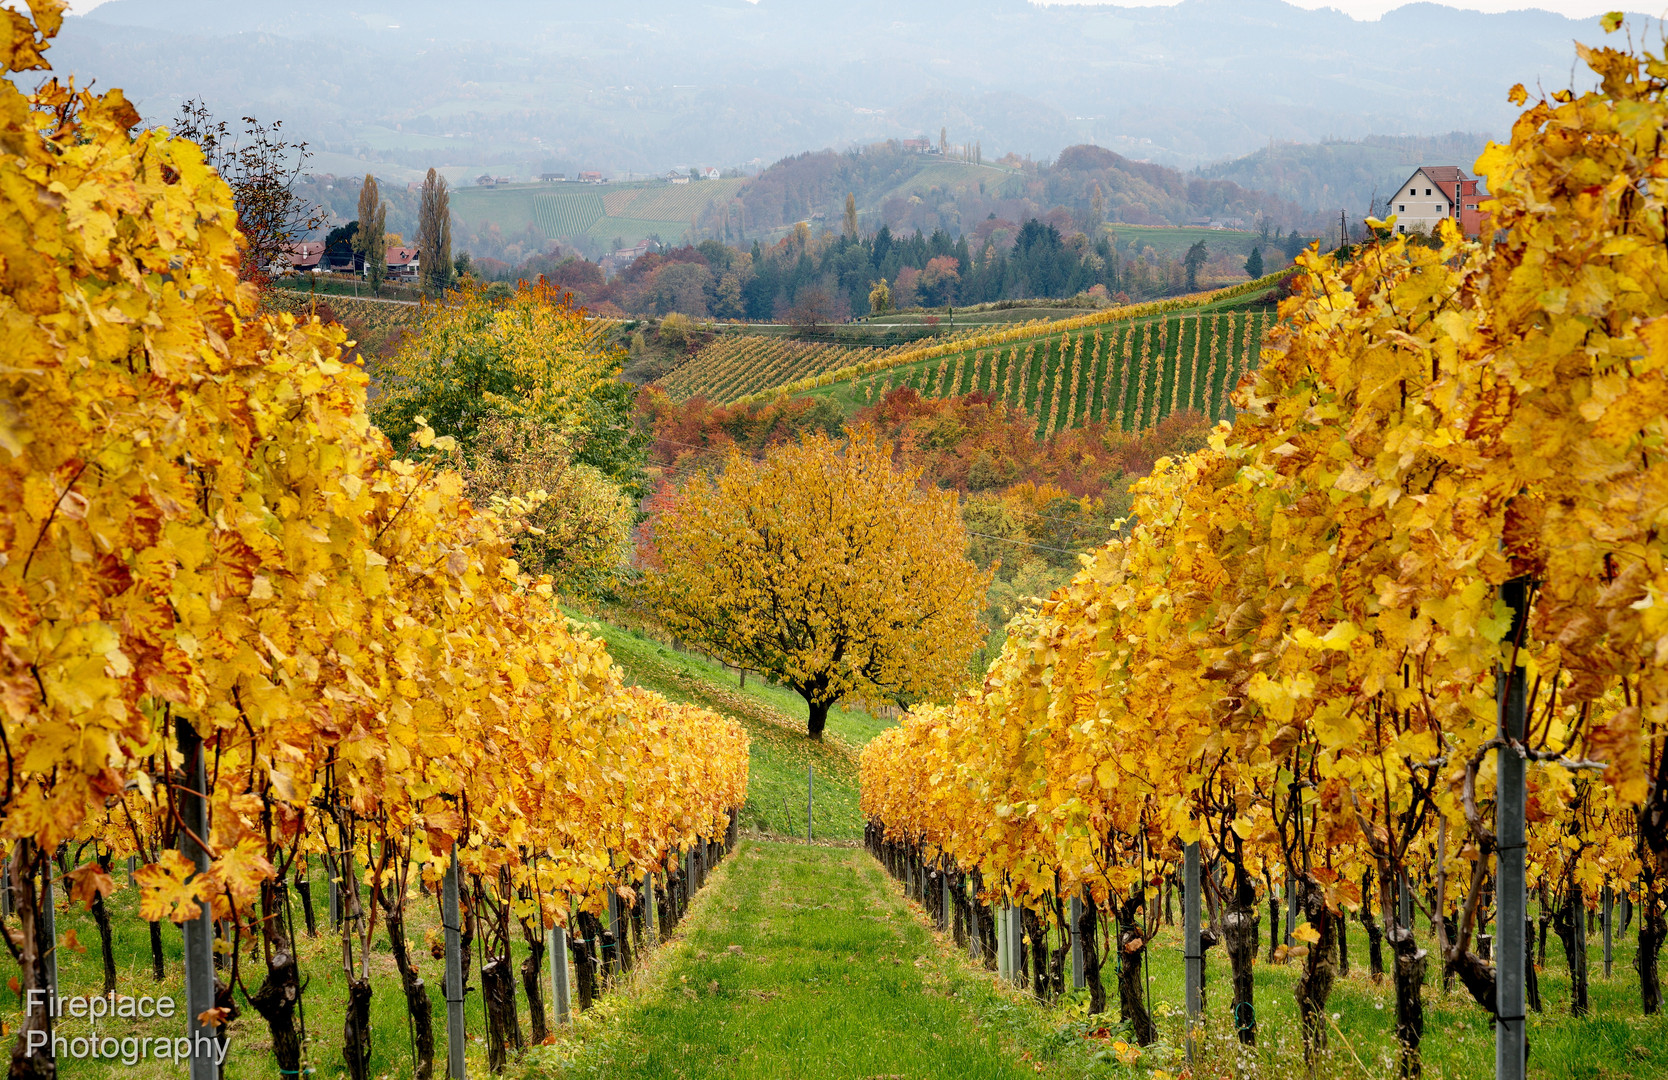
[{"x": 1435, "y": 192}]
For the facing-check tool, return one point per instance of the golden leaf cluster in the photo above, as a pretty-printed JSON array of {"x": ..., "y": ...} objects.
[
  {"x": 1293, "y": 656},
  {"x": 201, "y": 525}
]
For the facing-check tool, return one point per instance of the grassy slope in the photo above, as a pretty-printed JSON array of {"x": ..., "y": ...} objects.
[
  {"x": 805, "y": 962},
  {"x": 776, "y": 803},
  {"x": 774, "y": 718},
  {"x": 514, "y": 208}
]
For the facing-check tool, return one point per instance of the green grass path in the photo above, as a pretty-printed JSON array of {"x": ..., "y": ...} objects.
[{"x": 802, "y": 961}]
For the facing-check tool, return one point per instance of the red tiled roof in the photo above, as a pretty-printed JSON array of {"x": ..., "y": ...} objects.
[{"x": 401, "y": 256}]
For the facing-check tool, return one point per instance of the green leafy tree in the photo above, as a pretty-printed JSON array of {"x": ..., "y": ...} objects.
[{"x": 528, "y": 355}]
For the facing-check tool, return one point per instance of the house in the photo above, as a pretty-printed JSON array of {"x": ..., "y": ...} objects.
[
  {"x": 304, "y": 257},
  {"x": 403, "y": 264},
  {"x": 918, "y": 146},
  {"x": 709, "y": 174},
  {"x": 485, "y": 180},
  {"x": 615, "y": 261},
  {"x": 553, "y": 177},
  {"x": 1435, "y": 192},
  {"x": 677, "y": 179},
  {"x": 590, "y": 178}
]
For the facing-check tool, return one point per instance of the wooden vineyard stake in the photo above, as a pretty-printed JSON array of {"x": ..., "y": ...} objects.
[
  {"x": 1512, "y": 898},
  {"x": 454, "y": 972},
  {"x": 1192, "y": 954},
  {"x": 1609, "y": 913},
  {"x": 649, "y": 912},
  {"x": 810, "y": 798},
  {"x": 557, "y": 947},
  {"x": 1079, "y": 978},
  {"x": 198, "y": 932}
]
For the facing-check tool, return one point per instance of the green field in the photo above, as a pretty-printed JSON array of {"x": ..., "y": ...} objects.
[
  {"x": 1127, "y": 375},
  {"x": 1174, "y": 242},
  {"x": 627, "y": 211}
]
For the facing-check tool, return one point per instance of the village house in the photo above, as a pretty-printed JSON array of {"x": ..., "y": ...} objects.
[
  {"x": 403, "y": 264},
  {"x": 1435, "y": 192},
  {"x": 304, "y": 257}
]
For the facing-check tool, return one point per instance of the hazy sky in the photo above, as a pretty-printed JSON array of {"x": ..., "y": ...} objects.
[{"x": 1361, "y": 9}]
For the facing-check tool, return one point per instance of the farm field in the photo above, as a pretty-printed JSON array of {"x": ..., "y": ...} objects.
[
  {"x": 628, "y": 211},
  {"x": 735, "y": 365},
  {"x": 1128, "y": 375},
  {"x": 1174, "y": 241}
]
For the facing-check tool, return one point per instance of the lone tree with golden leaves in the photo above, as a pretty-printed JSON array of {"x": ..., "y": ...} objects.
[{"x": 823, "y": 566}]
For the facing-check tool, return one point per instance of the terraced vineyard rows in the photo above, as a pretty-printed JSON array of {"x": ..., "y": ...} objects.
[
  {"x": 736, "y": 365},
  {"x": 567, "y": 215},
  {"x": 1127, "y": 375}
]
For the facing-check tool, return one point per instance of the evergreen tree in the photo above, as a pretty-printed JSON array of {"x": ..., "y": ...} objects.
[
  {"x": 1254, "y": 263},
  {"x": 1195, "y": 260}
]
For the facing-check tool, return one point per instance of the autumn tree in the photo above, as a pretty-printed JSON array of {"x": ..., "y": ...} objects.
[
  {"x": 434, "y": 234},
  {"x": 880, "y": 298},
  {"x": 529, "y": 356},
  {"x": 851, "y": 216},
  {"x": 372, "y": 240},
  {"x": 261, "y": 165},
  {"x": 576, "y": 523},
  {"x": 823, "y": 566}
]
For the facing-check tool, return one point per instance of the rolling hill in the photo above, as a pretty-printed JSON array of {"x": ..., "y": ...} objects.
[
  {"x": 590, "y": 216},
  {"x": 1127, "y": 367}
]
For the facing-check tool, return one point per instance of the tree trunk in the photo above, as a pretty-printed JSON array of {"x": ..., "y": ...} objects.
[
  {"x": 1086, "y": 920},
  {"x": 280, "y": 993},
  {"x": 1060, "y": 958},
  {"x": 304, "y": 888},
  {"x": 1653, "y": 928},
  {"x": 1343, "y": 944},
  {"x": 817, "y": 717},
  {"x": 1410, "y": 962},
  {"x": 498, "y": 995},
  {"x": 533, "y": 986},
  {"x": 417, "y": 1003},
  {"x": 1132, "y": 949},
  {"x": 1038, "y": 936},
  {"x": 1375, "y": 934},
  {"x": 27, "y": 904},
  {"x": 356, "y": 1030},
  {"x": 1531, "y": 976},
  {"x": 157, "y": 971},
  {"x": 1315, "y": 984},
  {"x": 1239, "y": 935},
  {"x": 585, "y": 957},
  {"x": 101, "y": 916},
  {"x": 1569, "y": 924},
  {"x": 1273, "y": 924}
]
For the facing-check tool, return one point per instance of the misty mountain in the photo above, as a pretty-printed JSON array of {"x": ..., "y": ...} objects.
[{"x": 519, "y": 87}]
